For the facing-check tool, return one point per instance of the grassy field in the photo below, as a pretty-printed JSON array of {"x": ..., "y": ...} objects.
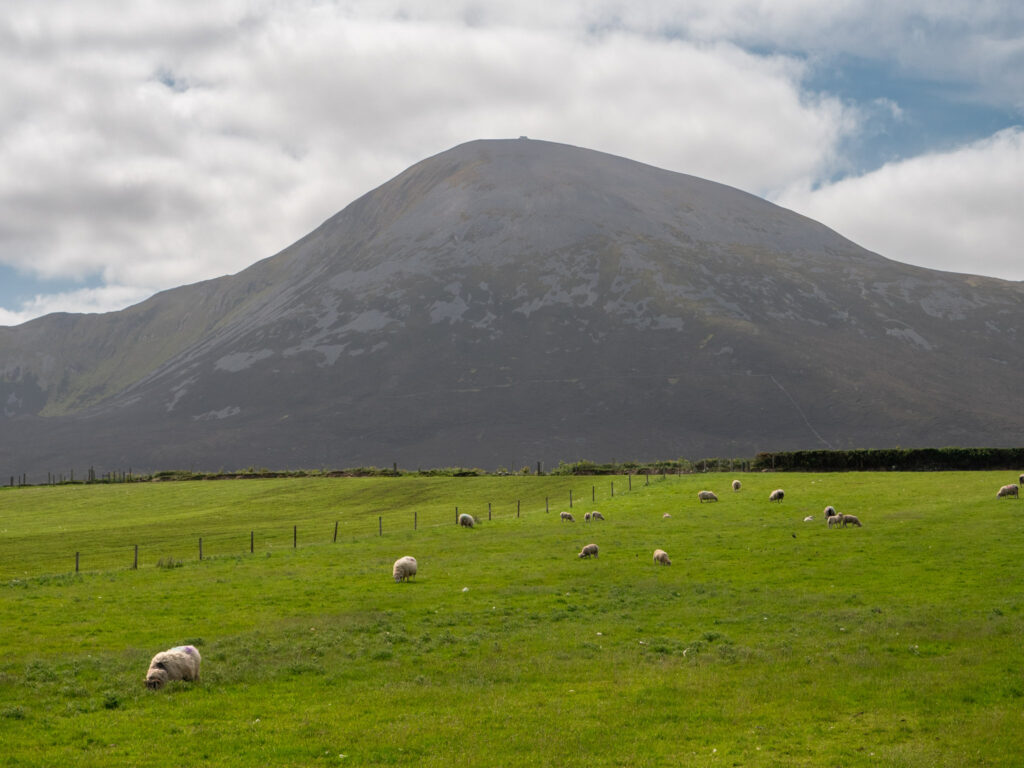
[{"x": 770, "y": 641}]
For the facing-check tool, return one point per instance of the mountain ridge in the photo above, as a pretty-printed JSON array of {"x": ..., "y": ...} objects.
[{"x": 528, "y": 290}]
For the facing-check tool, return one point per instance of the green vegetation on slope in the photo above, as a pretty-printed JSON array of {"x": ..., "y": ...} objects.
[{"x": 769, "y": 641}]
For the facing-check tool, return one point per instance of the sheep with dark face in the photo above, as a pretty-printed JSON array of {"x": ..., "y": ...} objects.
[
  {"x": 567, "y": 517},
  {"x": 467, "y": 521},
  {"x": 736, "y": 485},
  {"x": 661, "y": 556},
  {"x": 830, "y": 511},
  {"x": 1008, "y": 490},
  {"x": 404, "y": 568},
  {"x": 777, "y": 495},
  {"x": 178, "y": 663},
  {"x": 588, "y": 551},
  {"x": 706, "y": 496},
  {"x": 595, "y": 515}
]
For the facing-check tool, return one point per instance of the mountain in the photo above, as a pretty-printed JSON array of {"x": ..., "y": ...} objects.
[{"x": 514, "y": 301}]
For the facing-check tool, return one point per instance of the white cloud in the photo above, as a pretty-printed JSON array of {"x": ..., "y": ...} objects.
[
  {"x": 85, "y": 300},
  {"x": 156, "y": 148},
  {"x": 956, "y": 211}
]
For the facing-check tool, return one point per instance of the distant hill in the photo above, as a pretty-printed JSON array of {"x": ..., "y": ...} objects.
[{"x": 508, "y": 302}]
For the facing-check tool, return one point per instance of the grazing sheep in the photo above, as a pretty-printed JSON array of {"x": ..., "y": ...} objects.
[
  {"x": 568, "y": 516},
  {"x": 586, "y": 518},
  {"x": 587, "y": 551},
  {"x": 665, "y": 515},
  {"x": 809, "y": 519},
  {"x": 595, "y": 515},
  {"x": 777, "y": 495},
  {"x": 834, "y": 520},
  {"x": 178, "y": 663},
  {"x": 404, "y": 568},
  {"x": 1008, "y": 490},
  {"x": 850, "y": 520},
  {"x": 736, "y": 485},
  {"x": 706, "y": 496},
  {"x": 660, "y": 556},
  {"x": 829, "y": 511},
  {"x": 1021, "y": 480},
  {"x": 467, "y": 521}
]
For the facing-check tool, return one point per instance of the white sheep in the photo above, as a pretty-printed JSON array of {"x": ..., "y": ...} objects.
[
  {"x": 666, "y": 515},
  {"x": 777, "y": 495},
  {"x": 736, "y": 485},
  {"x": 1008, "y": 490},
  {"x": 587, "y": 551},
  {"x": 850, "y": 520},
  {"x": 661, "y": 556},
  {"x": 178, "y": 663},
  {"x": 595, "y": 515},
  {"x": 706, "y": 496},
  {"x": 829, "y": 511},
  {"x": 404, "y": 568},
  {"x": 467, "y": 521},
  {"x": 586, "y": 518},
  {"x": 567, "y": 516},
  {"x": 834, "y": 520}
]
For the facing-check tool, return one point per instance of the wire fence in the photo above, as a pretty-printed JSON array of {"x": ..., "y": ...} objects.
[{"x": 168, "y": 548}]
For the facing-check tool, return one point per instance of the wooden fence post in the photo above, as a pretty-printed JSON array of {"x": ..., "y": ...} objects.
[
  {"x": 613, "y": 489},
  {"x": 415, "y": 520},
  {"x": 295, "y": 537},
  {"x": 488, "y": 510},
  {"x": 200, "y": 547},
  {"x": 252, "y": 541},
  {"x": 456, "y": 515},
  {"x": 76, "y": 562},
  {"x": 547, "y": 507},
  {"x": 135, "y": 564},
  {"x": 380, "y": 526},
  {"x": 518, "y": 502},
  {"x": 593, "y": 493},
  {"x": 630, "y": 476},
  {"x": 570, "y": 498},
  {"x": 335, "y": 531}
]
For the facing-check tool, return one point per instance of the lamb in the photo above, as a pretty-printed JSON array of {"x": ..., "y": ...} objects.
[
  {"x": 851, "y": 520},
  {"x": 834, "y": 520},
  {"x": 404, "y": 568},
  {"x": 595, "y": 515},
  {"x": 467, "y": 521},
  {"x": 586, "y": 518},
  {"x": 568, "y": 516},
  {"x": 829, "y": 511},
  {"x": 706, "y": 496},
  {"x": 178, "y": 663},
  {"x": 587, "y": 551},
  {"x": 777, "y": 495},
  {"x": 665, "y": 516},
  {"x": 736, "y": 485},
  {"x": 660, "y": 556},
  {"x": 1008, "y": 490}
]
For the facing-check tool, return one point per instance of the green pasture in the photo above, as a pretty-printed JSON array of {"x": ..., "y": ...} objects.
[{"x": 769, "y": 641}]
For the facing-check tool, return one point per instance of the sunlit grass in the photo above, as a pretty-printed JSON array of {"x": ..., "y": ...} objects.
[{"x": 769, "y": 641}]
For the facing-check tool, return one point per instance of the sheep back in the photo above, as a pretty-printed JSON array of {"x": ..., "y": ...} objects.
[
  {"x": 404, "y": 568},
  {"x": 588, "y": 551},
  {"x": 178, "y": 663}
]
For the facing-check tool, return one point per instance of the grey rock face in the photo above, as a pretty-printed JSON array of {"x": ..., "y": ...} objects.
[{"x": 506, "y": 302}]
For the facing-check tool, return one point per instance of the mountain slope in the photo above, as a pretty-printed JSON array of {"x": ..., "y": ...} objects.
[{"x": 512, "y": 301}]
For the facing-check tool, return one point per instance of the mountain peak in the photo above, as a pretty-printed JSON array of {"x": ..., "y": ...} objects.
[{"x": 520, "y": 300}]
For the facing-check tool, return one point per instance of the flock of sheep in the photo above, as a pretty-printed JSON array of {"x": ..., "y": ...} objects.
[{"x": 182, "y": 662}]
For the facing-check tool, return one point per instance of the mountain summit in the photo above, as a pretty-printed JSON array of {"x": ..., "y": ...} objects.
[{"x": 514, "y": 301}]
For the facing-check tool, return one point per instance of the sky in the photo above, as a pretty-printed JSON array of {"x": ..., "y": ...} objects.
[{"x": 146, "y": 144}]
